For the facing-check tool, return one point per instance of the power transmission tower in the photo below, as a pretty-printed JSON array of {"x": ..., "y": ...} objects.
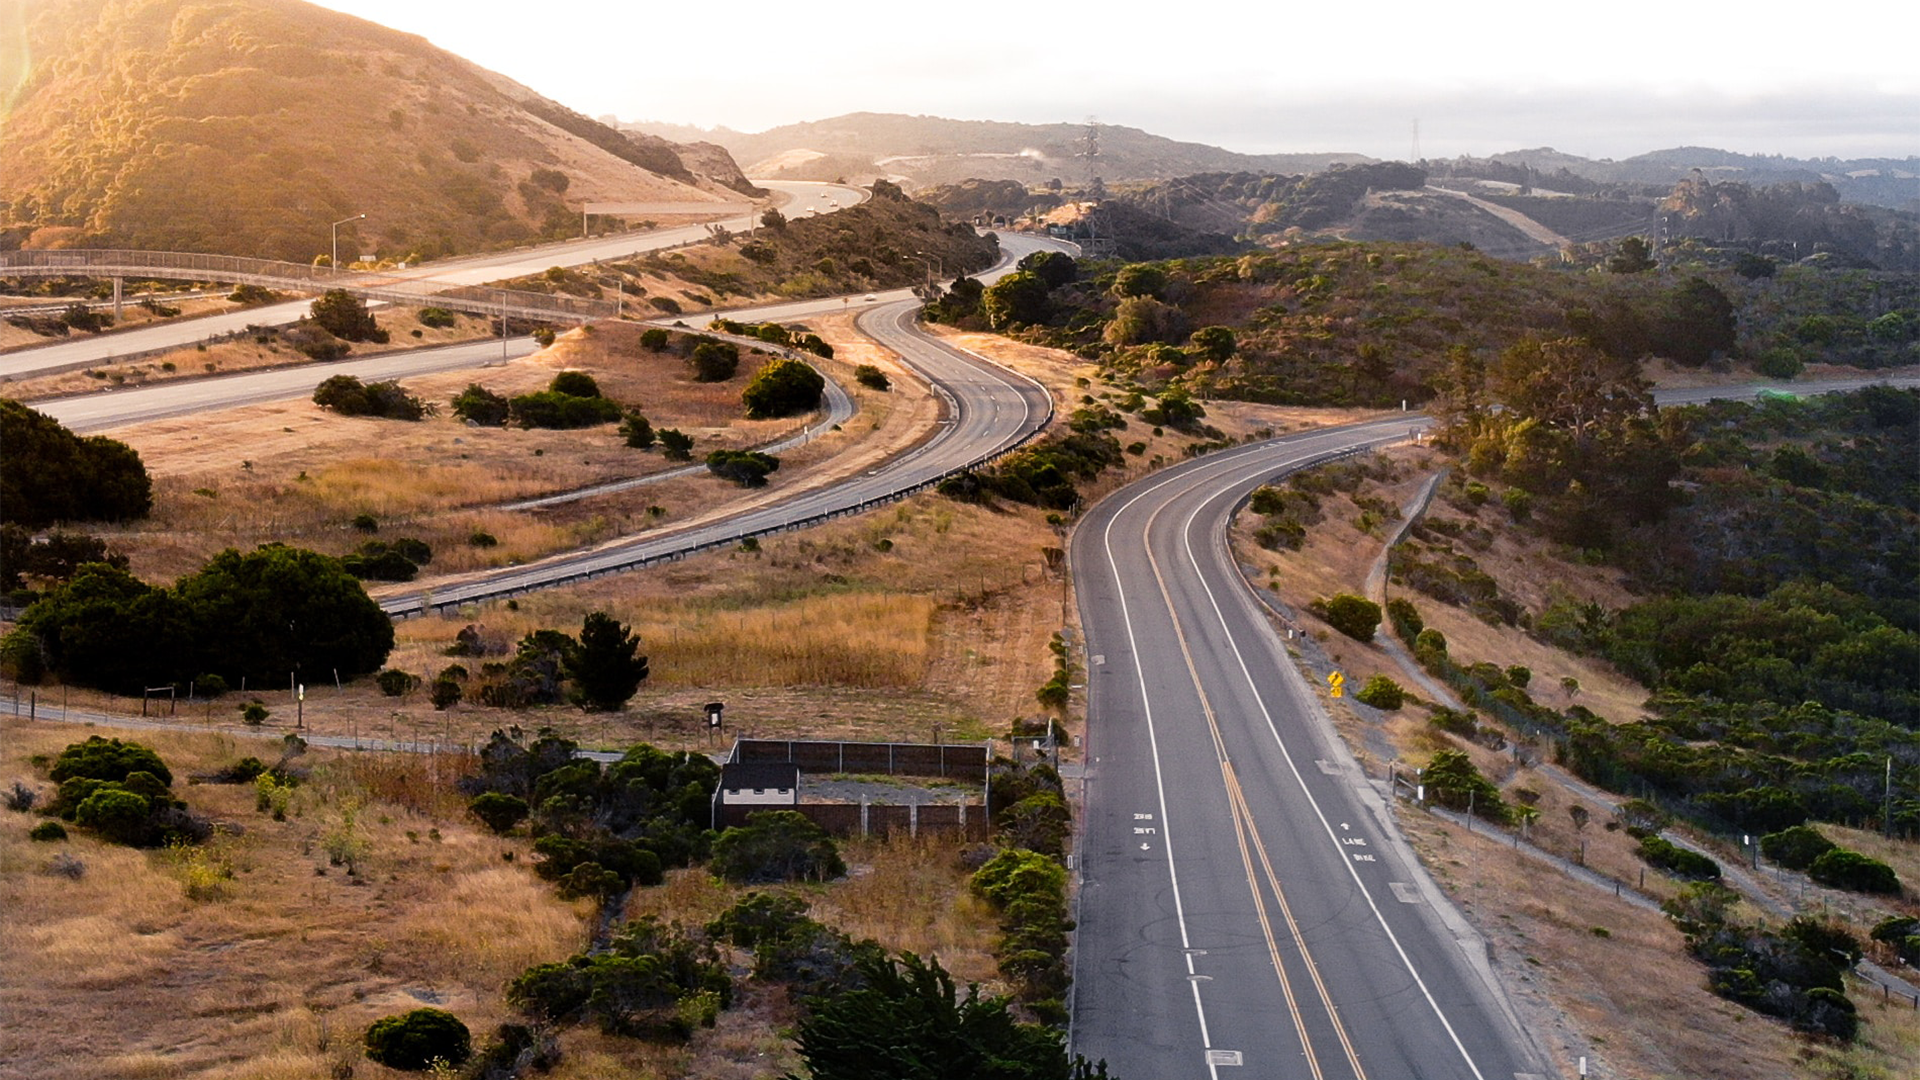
[
  {"x": 1415, "y": 159},
  {"x": 1090, "y": 150}
]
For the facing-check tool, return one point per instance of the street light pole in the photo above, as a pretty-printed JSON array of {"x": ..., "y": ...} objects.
[
  {"x": 336, "y": 237},
  {"x": 936, "y": 259}
]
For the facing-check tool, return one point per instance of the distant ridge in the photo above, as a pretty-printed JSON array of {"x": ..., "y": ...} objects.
[
  {"x": 249, "y": 126},
  {"x": 922, "y": 151}
]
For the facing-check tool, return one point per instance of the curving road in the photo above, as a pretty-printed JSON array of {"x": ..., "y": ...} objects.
[
  {"x": 989, "y": 411},
  {"x": 1246, "y": 899},
  {"x": 472, "y": 270}
]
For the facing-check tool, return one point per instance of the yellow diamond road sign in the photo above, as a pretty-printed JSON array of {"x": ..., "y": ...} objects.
[{"x": 1335, "y": 679}]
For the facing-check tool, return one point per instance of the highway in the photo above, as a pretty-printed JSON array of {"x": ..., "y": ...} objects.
[
  {"x": 1245, "y": 898},
  {"x": 92, "y": 349},
  {"x": 988, "y": 411}
]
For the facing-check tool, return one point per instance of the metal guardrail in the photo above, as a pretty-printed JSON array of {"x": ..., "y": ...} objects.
[
  {"x": 389, "y": 288},
  {"x": 421, "y": 603}
]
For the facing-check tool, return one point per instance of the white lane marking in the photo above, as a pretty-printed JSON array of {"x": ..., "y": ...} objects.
[
  {"x": 1224, "y": 1057},
  {"x": 1159, "y": 781},
  {"x": 1186, "y": 542},
  {"x": 1232, "y": 458}
]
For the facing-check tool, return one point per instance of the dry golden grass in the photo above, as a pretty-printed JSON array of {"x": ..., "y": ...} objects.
[
  {"x": 911, "y": 893},
  {"x": 293, "y": 472},
  {"x": 1632, "y": 1000},
  {"x": 121, "y": 974}
]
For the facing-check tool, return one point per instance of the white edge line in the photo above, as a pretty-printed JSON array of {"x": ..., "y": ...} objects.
[{"x": 1186, "y": 542}]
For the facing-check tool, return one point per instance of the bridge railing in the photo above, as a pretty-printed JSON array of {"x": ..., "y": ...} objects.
[{"x": 390, "y": 288}]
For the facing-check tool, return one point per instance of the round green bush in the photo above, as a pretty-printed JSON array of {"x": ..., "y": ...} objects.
[
  {"x": 1382, "y": 693},
  {"x": 499, "y": 811},
  {"x": 577, "y": 383},
  {"x": 48, "y": 832},
  {"x": 393, "y": 682},
  {"x": 1844, "y": 869},
  {"x": 1355, "y": 616},
  {"x": 118, "y": 815},
  {"x": 414, "y": 1041}
]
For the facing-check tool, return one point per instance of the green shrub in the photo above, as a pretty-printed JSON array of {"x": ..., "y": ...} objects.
[
  {"x": 393, "y": 682},
  {"x": 1355, "y": 616},
  {"x": 445, "y": 693},
  {"x": 345, "y": 316},
  {"x": 548, "y": 409},
  {"x": 1429, "y": 647},
  {"x": 117, "y": 814},
  {"x": 675, "y": 445},
  {"x": 637, "y": 430},
  {"x": 577, "y": 383},
  {"x": 48, "y": 832},
  {"x": 714, "y": 361},
  {"x": 254, "y": 712},
  {"x": 1844, "y": 869},
  {"x": 776, "y": 845},
  {"x": 871, "y": 377},
  {"x": 782, "y": 388},
  {"x": 437, "y": 317},
  {"x": 108, "y": 759},
  {"x": 415, "y": 1041},
  {"x": 748, "y": 468},
  {"x": 653, "y": 339},
  {"x": 54, "y": 475},
  {"x": 1795, "y": 848},
  {"x": 1405, "y": 619},
  {"x": 482, "y": 406},
  {"x": 1381, "y": 693},
  {"x": 1678, "y": 861},
  {"x": 348, "y": 396},
  {"x": 1452, "y": 781}
]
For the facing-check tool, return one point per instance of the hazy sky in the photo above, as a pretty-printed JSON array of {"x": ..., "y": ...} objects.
[{"x": 1608, "y": 79}]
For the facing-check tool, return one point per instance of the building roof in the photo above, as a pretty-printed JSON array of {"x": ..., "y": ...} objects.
[{"x": 759, "y": 774}]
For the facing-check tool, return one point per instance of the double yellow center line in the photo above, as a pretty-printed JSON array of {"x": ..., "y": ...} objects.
[{"x": 1247, "y": 835}]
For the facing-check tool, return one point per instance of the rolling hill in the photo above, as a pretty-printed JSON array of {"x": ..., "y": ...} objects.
[
  {"x": 249, "y": 126},
  {"x": 922, "y": 151}
]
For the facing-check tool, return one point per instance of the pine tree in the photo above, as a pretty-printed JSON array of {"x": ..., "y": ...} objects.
[{"x": 606, "y": 669}]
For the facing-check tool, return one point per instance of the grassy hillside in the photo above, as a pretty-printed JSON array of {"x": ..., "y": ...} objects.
[
  {"x": 875, "y": 245},
  {"x": 249, "y": 126}
]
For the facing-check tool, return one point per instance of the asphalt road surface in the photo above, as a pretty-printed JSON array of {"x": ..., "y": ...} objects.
[
  {"x": 988, "y": 409},
  {"x": 474, "y": 270},
  {"x": 1245, "y": 898}
]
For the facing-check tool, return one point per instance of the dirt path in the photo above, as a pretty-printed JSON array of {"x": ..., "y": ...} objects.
[{"x": 1533, "y": 229}]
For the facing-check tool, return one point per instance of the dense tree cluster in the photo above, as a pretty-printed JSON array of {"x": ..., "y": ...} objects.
[
  {"x": 54, "y": 475},
  {"x": 258, "y": 615},
  {"x": 598, "y": 829}
]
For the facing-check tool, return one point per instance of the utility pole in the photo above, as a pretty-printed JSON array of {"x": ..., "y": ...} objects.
[{"x": 1887, "y": 824}]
